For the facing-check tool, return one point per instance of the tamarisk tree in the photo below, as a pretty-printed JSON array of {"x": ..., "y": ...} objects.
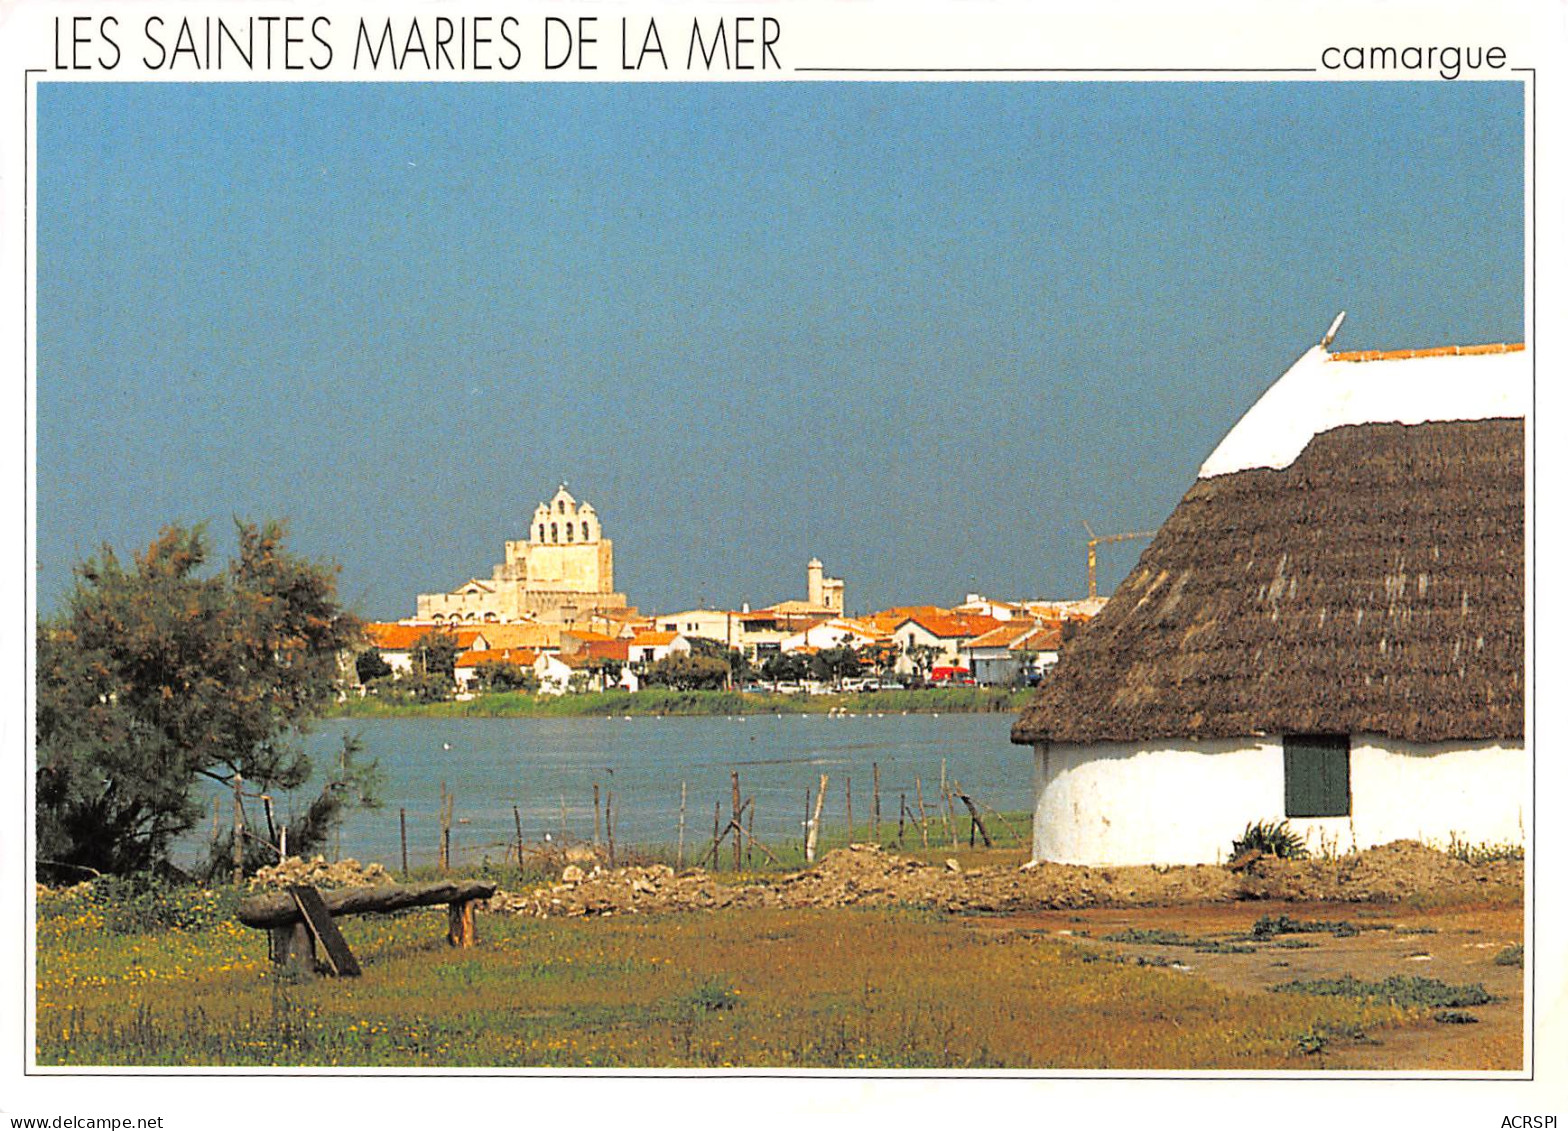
[{"x": 160, "y": 674}]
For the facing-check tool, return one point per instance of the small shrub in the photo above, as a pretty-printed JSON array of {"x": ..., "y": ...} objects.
[
  {"x": 1454, "y": 1017},
  {"x": 1482, "y": 852},
  {"x": 713, "y": 996},
  {"x": 145, "y": 903},
  {"x": 1267, "y": 927},
  {"x": 1151, "y": 937},
  {"x": 1397, "y": 990},
  {"x": 1510, "y": 955},
  {"x": 1271, "y": 838}
]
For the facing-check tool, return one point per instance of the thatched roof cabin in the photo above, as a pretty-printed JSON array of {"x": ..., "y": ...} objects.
[
  {"x": 1375, "y": 585},
  {"x": 1349, "y": 569}
]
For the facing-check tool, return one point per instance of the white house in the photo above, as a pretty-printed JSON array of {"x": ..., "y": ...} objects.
[
  {"x": 651, "y": 647},
  {"x": 1020, "y": 648},
  {"x": 840, "y": 632},
  {"x": 1329, "y": 629},
  {"x": 946, "y": 632}
]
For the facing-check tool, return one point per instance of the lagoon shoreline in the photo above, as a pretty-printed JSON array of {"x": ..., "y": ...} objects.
[{"x": 661, "y": 701}]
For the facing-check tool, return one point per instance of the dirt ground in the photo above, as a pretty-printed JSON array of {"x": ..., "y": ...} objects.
[
  {"x": 864, "y": 874},
  {"x": 1405, "y": 909},
  {"x": 1457, "y": 945}
]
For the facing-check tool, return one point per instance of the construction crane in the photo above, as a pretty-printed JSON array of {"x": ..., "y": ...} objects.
[{"x": 1098, "y": 539}]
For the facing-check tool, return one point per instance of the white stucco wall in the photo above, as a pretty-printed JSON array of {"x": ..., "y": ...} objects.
[{"x": 1119, "y": 803}]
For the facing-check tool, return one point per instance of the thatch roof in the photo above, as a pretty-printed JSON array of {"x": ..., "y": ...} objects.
[{"x": 1375, "y": 585}]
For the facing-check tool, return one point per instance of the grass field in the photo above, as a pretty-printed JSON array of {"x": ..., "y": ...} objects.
[
  {"x": 658, "y": 701},
  {"x": 820, "y": 988}
]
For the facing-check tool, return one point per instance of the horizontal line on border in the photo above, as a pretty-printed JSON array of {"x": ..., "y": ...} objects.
[{"x": 1063, "y": 70}]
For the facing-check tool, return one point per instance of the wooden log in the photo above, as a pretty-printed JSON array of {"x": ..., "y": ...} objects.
[
  {"x": 460, "y": 924},
  {"x": 292, "y": 945},
  {"x": 279, "y": 909},
  {"x": 318, "y": 920}
]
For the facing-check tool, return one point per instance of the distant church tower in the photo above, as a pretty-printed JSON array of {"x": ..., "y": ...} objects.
[
  {"x": 563, "y": 571},
  {"x": 823, "y": 592}
]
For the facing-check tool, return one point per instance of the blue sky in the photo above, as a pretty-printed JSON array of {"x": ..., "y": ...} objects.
[{"x": 917, "y": 330}]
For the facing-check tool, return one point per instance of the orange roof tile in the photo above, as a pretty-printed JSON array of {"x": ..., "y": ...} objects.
[
  {"x": 607, "y": 650},
  {"x": 653, "y": 639},
  {"x": 400, "y": 637},
  {"x": 951, "y": 625},
  {"x": 522, "y": 657},
  {"x": 1433, "y": 351},
  {"x": 1004, "y": 635}
]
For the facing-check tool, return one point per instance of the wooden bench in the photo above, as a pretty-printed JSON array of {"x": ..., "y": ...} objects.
[{"x": 301, "y": 917}]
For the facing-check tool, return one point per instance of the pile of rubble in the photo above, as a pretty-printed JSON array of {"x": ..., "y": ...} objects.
[
  {"x": 316, "y": 872},
  {"x": 865, "y": 874}
]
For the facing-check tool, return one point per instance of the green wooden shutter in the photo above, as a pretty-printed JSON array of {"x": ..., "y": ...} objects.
[{"x": 1317, "y": 775}]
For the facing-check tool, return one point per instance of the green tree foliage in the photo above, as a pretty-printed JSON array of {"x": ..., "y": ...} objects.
[
  {"x": 923, "y": 658},
  {"x": 687, "y": 671},
  {"x": 499, "y": 675},
  {"x": 835, "y": 664},
  {"x": 353, "y": 782},
  {"x": 370, "y": 665},
  {"x": 159, "y": 674},
  {"x": 434, "y": 653},
  {"x": 784, "y": 667}
]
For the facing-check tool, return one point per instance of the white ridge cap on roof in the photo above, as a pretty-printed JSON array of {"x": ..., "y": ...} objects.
[{"x": 1318, "y": 393}]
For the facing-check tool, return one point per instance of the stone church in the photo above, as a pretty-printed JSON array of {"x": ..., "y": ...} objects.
[{"x": 562, "y": 572}]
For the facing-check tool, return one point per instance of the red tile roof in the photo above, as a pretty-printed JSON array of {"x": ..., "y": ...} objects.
[
  {"x": 522, "y": 657},
  {"x": 607, "y": 650},
  {"x": 400, "y": 637},
  {"x": 950, "y": 626}
]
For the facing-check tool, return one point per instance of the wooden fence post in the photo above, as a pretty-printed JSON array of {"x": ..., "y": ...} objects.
[
  {"x": 945, "y": 809},
  {"x": 974, "y": 817},
  {"x": 849, "y": 810},
  {"x": 920, "y": 800},
  {"x": 876, "y": 802},
  {"x": 402, "y": 836},
  {"x": 680, "y": 843},
  {"x": 596, "y": 840},
  {"x": 735, "y": 810},
  {"x": 609, "y": 822},
  {"x": 517, "y": 826},
  {"x": 902, "y": 809},
  {"x": 813, "y": 825}
]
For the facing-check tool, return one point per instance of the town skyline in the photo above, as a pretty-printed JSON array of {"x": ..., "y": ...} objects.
[{"x": 919, "y": 331}]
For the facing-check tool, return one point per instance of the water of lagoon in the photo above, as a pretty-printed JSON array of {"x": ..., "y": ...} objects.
[{"x": 542, "y": 765}]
